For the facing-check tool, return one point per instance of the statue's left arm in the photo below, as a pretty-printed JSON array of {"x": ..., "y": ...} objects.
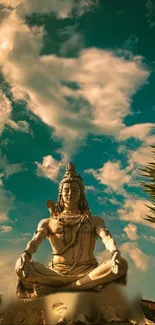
[
  {"x": 32, "y": 246},
  {"x": 38, "y": 237},
  {"x": 105, "y": 235}
]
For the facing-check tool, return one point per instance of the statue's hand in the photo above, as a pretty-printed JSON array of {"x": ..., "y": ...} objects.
[
  {"x": 25, "y": 264},
  {"x": 116, "y": 258}
]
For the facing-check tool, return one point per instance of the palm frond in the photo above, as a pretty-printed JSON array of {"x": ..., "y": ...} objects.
[{"x": 148, "y": 187}]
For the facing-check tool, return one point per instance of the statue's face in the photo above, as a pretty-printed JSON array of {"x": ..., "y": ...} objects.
[{"x": 70, "y": 194}]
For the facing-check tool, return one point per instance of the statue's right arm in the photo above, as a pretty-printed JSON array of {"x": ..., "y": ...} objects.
[{"x": 38, "y": 237}]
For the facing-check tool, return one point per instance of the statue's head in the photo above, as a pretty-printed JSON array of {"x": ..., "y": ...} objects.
[{"x": 71, "y": 191}]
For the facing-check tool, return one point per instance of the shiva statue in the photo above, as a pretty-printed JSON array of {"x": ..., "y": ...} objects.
[{"x": 72, "y": 232}]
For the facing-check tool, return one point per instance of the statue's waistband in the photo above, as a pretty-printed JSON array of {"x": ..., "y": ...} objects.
[{"x": 92, "y": 262}]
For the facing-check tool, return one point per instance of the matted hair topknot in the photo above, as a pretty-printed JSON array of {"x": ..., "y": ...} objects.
[{"x": 71, "y": 175}]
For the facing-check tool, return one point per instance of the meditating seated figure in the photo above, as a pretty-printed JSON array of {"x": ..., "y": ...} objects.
[{"x": 72, "y": 232}]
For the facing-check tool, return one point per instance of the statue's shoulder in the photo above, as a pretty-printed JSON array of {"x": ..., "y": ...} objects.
[
  {"x": 43, "y": 224},
  {"x": 97, "y": 220}
]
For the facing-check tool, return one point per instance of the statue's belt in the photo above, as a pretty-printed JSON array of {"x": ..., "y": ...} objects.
[{"x": 92, "y": 262}]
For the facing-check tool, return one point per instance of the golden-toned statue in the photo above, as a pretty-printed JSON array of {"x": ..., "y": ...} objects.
[{"x": 72, "y": 232}]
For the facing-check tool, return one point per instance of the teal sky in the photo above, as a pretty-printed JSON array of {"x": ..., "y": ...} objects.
[{"x": 77, "y": 84}]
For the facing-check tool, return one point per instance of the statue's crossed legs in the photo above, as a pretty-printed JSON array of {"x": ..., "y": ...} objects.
[{"x": 45, "y": 281}]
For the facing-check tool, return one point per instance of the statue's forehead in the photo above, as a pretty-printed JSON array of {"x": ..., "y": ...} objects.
[{"x": 70, "y": 184}]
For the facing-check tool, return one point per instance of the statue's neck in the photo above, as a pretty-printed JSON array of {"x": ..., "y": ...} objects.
[{"x": 73, "y": 211}]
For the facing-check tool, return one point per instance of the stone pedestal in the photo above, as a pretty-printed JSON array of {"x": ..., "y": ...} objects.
[{"x": 109, "y": 306}]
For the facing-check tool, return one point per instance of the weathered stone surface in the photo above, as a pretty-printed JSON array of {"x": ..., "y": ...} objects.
[
  {"x": 24, "y": 317},
  {"x": 32, "y": 314}
]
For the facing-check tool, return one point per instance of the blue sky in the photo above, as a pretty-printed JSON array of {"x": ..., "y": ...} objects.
[{"x": 77, "y": 84}]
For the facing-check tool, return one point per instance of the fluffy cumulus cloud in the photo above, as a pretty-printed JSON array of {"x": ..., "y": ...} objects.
[
  {"x": 21, "y": 126},
  {"x": 21, "y": 238},
  {"x": 6, "y": 197},
  {"x": 5, "y": 110},
  {"x": 135, "y": 210},
  {"x": 1, "y": 181},
  {"x": 143, "y": 155},
  {"x": 9, "y": 256},
  {"x": 7, "y": 168},
  {"x": 49, "y": 168},
  {"x": 140, "y": 260},
  {"x": 141, "y": 268},
  {"x": 6, "y": 229},
  {"x": 5, "y": 114},
  {"x": 131, "y": 231},
  {"x": 149, "y": 238},
  {"x": 105, "y": 82},
  {"x": 6, "y": 204},
  {"x": 111, "y": 175},
  {"x": 138, "y": 131},
  {"x": 90, "y": 188},
  {"x": 8, "y": 276},
  {"x": 115, "y": 177},
  {"x": 10, "y": 3},
  {"x": 62, "y": 9}
]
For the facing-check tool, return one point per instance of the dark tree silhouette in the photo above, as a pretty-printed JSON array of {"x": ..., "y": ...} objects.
[{"x": 149, "y": 186}]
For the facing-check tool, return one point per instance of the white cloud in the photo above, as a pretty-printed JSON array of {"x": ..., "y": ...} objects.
[
  {"x": 150, "y": 13},
  {"x": 150, "y": 140},
  {"x": 140, "y": 157},
  {"x": 6, "y": 197},
  {"x": 106, "y": 83},
  {"x": 152, "y": 239},
  {"x": 12, "y": 169},
  {"x": 16, "y": 240},
  {"x": 103, "y": 256},
  {"x": 9, "y": 169},
  {"x": 5, "y": 116},
  {"x": 1, "y": 181},
  {"x": 137, "y": 131},
  {"x": 114, "y": 177},
  {"x": 21, "y": 126},
  {"x": 73, "y": 44},
  {"x": 131, "y": 231},
  {"x": 5, "y": 111},
  {"x": 134, "y": 211},
  {"x": 6, "y": 229},
  {"x": 114, "y": 201},
  {"x": 6, "y": 204},
  {"x": 7, "y": 275},
  {"x": 89, "y": 188},
  {"x": 63, "y": 9},
  {"x": 111, "y": 175},
  {"x": 98, "y": 140},
  {"x": 49, "y": 168},
  {"x": 140, "y": 259},
  {"x": 10, "y": 3},
  {"x": 149, "y": 238}
]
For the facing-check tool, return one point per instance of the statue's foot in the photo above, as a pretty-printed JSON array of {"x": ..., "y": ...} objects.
[
  {"x": 22, "y": 292},
  {"x": 41, "y": 290}
]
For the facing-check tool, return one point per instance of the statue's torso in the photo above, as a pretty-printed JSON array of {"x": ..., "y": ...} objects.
[{"x": 61, "y": 235}]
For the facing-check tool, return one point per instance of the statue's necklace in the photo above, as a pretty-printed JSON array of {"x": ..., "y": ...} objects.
[{"x": 69, "y": 223}]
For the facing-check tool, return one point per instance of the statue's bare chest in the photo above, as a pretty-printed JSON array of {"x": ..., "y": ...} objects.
[{"x": 65, "y": 229}]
